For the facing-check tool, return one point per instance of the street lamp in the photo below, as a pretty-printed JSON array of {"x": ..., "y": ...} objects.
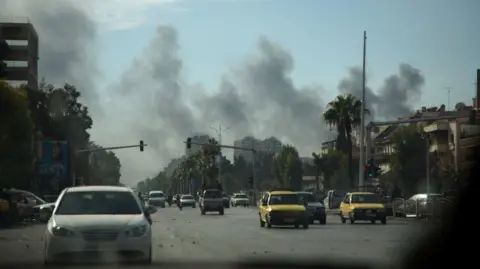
[{"x": 219, "y": 133}]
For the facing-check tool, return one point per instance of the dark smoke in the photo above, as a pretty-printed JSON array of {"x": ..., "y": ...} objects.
[
  {"x": 396, "y": 97},
  {"x": 154, "y": 102}
]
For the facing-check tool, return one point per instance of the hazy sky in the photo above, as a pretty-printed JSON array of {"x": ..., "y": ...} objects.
[{"x": 160, "y": 70}]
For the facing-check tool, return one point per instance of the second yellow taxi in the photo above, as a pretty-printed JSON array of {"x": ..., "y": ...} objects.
[
  {"x": 362, "y": 206},
  {"x": 282, "y": 207}
]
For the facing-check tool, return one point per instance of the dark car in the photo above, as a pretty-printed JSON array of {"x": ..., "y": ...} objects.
[{"x": 314, "y": 206}]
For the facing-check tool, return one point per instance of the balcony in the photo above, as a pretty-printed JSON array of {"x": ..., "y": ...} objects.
[{"x": 437, "y": 127}]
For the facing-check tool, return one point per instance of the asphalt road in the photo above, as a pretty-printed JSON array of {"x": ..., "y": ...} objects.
[{"x": 188, "y": 236}]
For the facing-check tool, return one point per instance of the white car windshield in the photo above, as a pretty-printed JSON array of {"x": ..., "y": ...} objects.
[
  {"x": 98, "y": 203},
  {"x": 241, "y": 196},
  {"x": 187, "y": 197}
]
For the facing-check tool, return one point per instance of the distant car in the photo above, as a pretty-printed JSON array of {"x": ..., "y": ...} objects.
[
  {"x": 282, "y": 207},
  {"x": 99, "y": 221},
  {"x": 187, "y": 200},
  {"x": 156, "y": 198},
  {"x": 240, "y": 199},
  {"x": 315, "y": 208},
  {"x": 362, "y": 206},
  {"x": 211, "y": 200}
]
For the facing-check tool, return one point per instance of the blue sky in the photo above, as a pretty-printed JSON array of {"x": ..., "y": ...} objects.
[{"x": 325, "y": 38}]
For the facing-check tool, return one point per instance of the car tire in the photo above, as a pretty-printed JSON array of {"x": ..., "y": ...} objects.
[
  {"x": 296, "y": 226},
  {"x": 384, "y": 221},
  {"x": 323, "y": 221},
  {"x": 372, "y": 221},
  {"x": 221, "y": 212},
  {"x": 193, "y": 206},
  {"x": 262, "y": 223},
  {"x": 202, "y": 211},
  {"x": 342, "y": 219},
  {"x": 305, "y": 226},
  {"x": 352, "y": 220}
]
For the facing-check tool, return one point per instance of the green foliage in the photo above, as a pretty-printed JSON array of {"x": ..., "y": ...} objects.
[
  {"x": 409, "y": 160},
  {"x": 287, "y": 168},
  {"x": 16, "y": 134},
  {"x": 104, "y": 167},
  {"x": 344, "y": 113}
]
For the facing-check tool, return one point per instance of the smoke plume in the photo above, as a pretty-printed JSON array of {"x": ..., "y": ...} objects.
[{"x": 153, "y": 101}]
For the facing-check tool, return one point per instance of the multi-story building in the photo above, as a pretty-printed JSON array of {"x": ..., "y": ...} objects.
[
  {"x": 328, "y": 146},
  {"x": 272, "y": 145},
  {"x": 21, "y": 58}
]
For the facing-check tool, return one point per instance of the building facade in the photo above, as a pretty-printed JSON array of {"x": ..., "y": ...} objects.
[{"x": 21, "y": 55}]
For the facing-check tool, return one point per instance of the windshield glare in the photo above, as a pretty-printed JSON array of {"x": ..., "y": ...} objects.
[
  {"x": 366, "y": 198},
  {"x": 98, "y": 203},
  {"x": 240, "y": 196},
  {"x": 284, "y": 199},
  {"x": 187, "y": 197},
  {"x": 157, "y": 195}
]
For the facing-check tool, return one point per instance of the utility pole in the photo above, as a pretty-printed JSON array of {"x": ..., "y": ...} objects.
[
  {"x": 361, "y": 175},
  {"x": 219, "y": 134},
  {"x": 448, "y": 97}
]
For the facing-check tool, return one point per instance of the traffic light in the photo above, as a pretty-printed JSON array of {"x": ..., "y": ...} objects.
[
  {"x": 369, "y": 169},
  {"x": 141, "y": 145},
  {"x": 189, "y": 143}
]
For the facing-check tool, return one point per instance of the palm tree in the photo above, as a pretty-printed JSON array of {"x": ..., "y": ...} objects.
[{"x": 344, "y": 113}]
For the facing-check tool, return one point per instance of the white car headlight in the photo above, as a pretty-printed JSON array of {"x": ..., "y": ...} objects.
[
  {"x": 136, "y": 231},
  {"x": 61, "y": 232}
]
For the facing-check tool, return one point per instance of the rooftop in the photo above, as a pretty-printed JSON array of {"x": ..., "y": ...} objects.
[{"x": 99, "y": 188}]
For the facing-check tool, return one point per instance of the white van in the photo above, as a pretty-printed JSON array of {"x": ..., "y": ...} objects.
[{"x": 156, "y": 198}]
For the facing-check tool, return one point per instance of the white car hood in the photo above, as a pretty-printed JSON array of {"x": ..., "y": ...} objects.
[
  {"x": 187, "y": 200},
  {"x": 157, "y": 198},
  {"x": 82, "y": 222}
]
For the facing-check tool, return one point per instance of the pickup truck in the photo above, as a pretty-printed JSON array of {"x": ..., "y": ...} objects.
[{"x": 211, "y": 200}]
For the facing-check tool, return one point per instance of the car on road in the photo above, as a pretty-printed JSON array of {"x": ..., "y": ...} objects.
[
  {"x": 156, "y": 198},
  {"x": 211, "y": 200},
  {"x": 187, "y": 200},
  {"x": 99, "y": 223},
  {"x": 315, "y": 207},
  {"x": 240, "y": 199},
  {"x": 282, "y": 207},
  {"x": 362, "y": 206}
]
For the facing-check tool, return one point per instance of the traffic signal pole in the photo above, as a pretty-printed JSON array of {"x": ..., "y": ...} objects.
[{"x": 90, "y": 150}]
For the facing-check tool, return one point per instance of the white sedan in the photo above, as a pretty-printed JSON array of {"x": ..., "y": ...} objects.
[{"x": 99, "y": 223}]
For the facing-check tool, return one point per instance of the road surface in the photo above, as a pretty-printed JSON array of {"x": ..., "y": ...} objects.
[{"x": 188, "y": 236}]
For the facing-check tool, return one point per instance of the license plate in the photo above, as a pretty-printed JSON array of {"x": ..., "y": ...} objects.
[{"x": 289, "y": 220}]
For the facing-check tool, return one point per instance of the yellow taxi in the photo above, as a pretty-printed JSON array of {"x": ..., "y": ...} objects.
[
  {"x": 282, "y": 207},
  {"x": 362, "y": 206}
]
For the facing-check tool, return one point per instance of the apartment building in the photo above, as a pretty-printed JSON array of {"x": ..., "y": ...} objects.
[
  {"x": 271, "y": 144},
  {"x": 20, "y": 55}
]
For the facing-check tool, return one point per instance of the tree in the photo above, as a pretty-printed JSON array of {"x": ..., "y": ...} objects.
[
  {"x": 318, "y": 164},
  {"x": 104, "y": 167},
  {"x": 409, "y": 159},
  {"x": 344, "y": 113},
  {"x": 16, "y": 136},
  {"x": 287, "y": 168}
]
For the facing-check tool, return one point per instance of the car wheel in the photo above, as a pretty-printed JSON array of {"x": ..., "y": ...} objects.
[
  {"x": 262, "y": 223},
  {"x": 342, "y": 218},
  {"x": 202, "y": 211},
  {"x": 305, "y": 226},
  {"x": 221, "y": 212},
  {"x": 352, "y": 220},
  {"x": 372, "y": 221},
  {"x": 323, "y": 221},
  {"x": 384, "y": 221},
  {"x": 296, "y": 226},
  {"x": 193, "y": 206}
]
